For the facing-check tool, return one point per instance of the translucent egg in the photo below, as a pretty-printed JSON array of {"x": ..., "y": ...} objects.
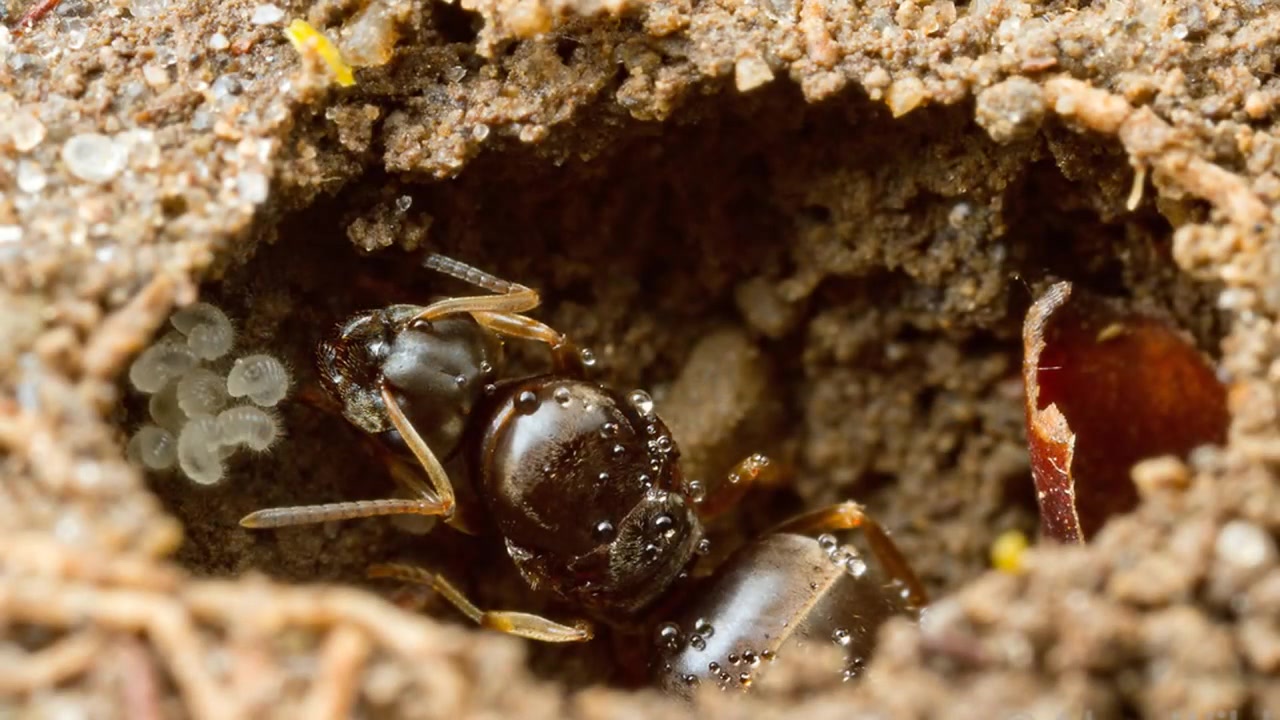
[
  {"x": 199, "y": 447},
  {"x": 208, "y": 330},
  {"x": 153, "y": 447},
  {"x": 248, "y": 425},
  {"x": 202, "y": 392},
  {"x": 164, "y": 409},
  {"x": 168, "y": 359},
  {"x": 261, "y": 378}
]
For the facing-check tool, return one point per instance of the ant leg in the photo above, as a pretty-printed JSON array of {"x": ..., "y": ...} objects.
[
  {"x": 440, "y": 484},
  {"x": 565, "y": 354},
  {"x": 753, "y": 471},
  {"x": 525, "y": 625},
  {"x": 309, "y": 514},
  {"x": 508, "y": 297},
  {"x": 850, "y": 515}
]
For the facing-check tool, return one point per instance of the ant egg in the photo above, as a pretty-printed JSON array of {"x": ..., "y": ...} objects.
[
  {"x": 167, "y": 360},
  {"x": 198, "y": 450},
  {"x": 202, "y": 392},
  {"x": 153, "y": 447},
  {"x": 165, "y": 410},
  {"x": 262, "y": 378},
  {"x": 208, "y": 330},
  {"x": 248, "y": 425}
]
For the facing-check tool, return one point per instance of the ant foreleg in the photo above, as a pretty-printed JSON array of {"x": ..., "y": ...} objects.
[
  {"x": 755, "y": 470},
  {"x": 566, "y": 356},
  {"x": 310, "y": 514},
  {"x": 525, "y": 625}
]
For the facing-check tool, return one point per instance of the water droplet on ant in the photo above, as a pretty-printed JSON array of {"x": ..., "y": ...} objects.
[
  {"x": 664, "y": 443},
  {"x": 527, "y": 402},
  {"x": 856, "y": 566},
  {"x": 664, "y": 523},
  {"x": 608, "y": 430},
  {"x": 561, "y": 396},
  {"x": 713, "y": 667},
  {"x": 704, "y": 547},
  {"x": 645, "y": 480},
  {"x": 460, "y": 380},
  {"x": 704, "y": 628},
  {"x": 691, "y": 680},
  {"x": 604, "y": 531},
  {"x": 767, "y": 655},
  {"x": 841, "y": 637},
  {"x": 697, "y": 643},
  {"x": 641, "y": 401},
  {"x": 490, "y": 388},
  {"x": 697, "y": 491},
  {"x": 827, "y": 542},
  {"x": 588, "y": 358},
  {"x": 745, "y": 679},
  {"x": 650, "y": 552},
  {"x": 603, "y": 477},
  {"x": 750, "y": 658},
  {"x": 618, "y": 451},
  {"x": 733, "y": 658},
  {"x": 486, "y": 368},
  {"x": 668, "y": 636}
]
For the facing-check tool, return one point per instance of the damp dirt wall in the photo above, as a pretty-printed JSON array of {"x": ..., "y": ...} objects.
[{"x": 809, "y": 228}]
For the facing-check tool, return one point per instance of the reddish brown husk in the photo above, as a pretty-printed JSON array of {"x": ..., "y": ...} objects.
[{"x": 1105, "y": 388}]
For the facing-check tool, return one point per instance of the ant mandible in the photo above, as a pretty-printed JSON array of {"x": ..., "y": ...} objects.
[{"x": 582, "y": 483}]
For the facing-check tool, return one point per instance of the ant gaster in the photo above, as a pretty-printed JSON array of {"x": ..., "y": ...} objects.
[{"x": 581, "y": 482}]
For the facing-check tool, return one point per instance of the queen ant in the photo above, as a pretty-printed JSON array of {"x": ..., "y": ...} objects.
[{"x": 584, "y": 486}]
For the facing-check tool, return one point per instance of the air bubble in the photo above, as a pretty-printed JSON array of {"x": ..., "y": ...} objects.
[
  {"x": 668, "y": 636},
  {"x": 603, "y": 477},
  {"x": 460, "y": 380},
  {"x": 588, "y": 358},
  {"x": 486, "y": 368},
  {"x": 167, "y": 360},
  {"x": 202, "y": 392},
  {"x": 704, "y": 547},
  {"x": 262, "y": 378},
  {"x": 841, "y": 637},
  {"x": 827, "y": 542},
  {"x": 664, "y": 443},
  {"x": 526, "y": 402},
  {"x": 750, "y": 658},
  {"x": 641, "y": 401},
  {"x": 165, "y": 410},
  {"x": 618, "y": 451},
  {"x": 651, "y": 552},
  {"x": 154, "y": 447},
  {"x": 561, "y": 396},
  {"x": 697, "y": 643},
  {"x": 704, "y": 628},
  {"x": 856, "y": 566},
  {"x": 697, "y": 491},
  {"x": 604, "y": 531},
  {"x": 664, "y": 523},
  {"x": 609, "y": 430},
  {"x": 248, "y": 425},
  {"x": 198, "y": 450}
]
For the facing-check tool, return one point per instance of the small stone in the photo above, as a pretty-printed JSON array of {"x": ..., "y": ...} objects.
[
  {"x": 480, "y": 132},
  {"x": 252, "y": 187},
  {"x": 1244, "y": 545},
  {"x": 93, "y": 157},
  {"x": 403, "y": 203},
  {"x": 147, "y": 8},
  {"x": 26, "y": 131},
  {"x": 30, "y": 176},
  {"x": 157, "y": 77},
  {"x": 218, "y": 41},
  {"x": 905, "y": 95},
  {"x": 74, "y": 32},
  {"x": 266, "y": 14},
  {"x": 750, "y": 73}
]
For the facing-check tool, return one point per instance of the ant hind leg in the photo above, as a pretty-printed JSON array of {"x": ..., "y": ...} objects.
[
  {"x": 525, "y": 625},
  {"x": 850, "y": 515}
]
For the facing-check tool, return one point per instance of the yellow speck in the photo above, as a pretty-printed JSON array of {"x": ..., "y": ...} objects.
[
  {"x": 1008, "y": 551},
  {"x": 309, "y": 41},
  {"x": 1111, "y": 332}
]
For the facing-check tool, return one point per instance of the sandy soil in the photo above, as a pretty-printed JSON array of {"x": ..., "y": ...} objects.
[{"x": 809, "y": 227}]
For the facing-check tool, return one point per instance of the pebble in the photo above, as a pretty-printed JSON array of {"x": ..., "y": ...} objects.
[
  {"x": 30, "y": 176},
  {"x": 252, "y": 187},
  {"x": 218, "y": 41},
  {"x": 266, "y": 14},
  {"x": 27, "y": 132},
  {"x": 1244, "y": 545},
  {"x": 93, "y": 157}
]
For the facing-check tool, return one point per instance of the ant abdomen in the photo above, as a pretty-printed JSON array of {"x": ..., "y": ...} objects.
[
  {"x": 772, "y": 598},
  {"x": 584, "y": 485}
]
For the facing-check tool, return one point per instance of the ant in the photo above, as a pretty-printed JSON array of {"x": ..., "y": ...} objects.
[{"x": 584, "y": 486}]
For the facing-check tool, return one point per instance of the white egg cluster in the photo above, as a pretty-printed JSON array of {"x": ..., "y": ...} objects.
[{"x": 194, "y": 423}]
